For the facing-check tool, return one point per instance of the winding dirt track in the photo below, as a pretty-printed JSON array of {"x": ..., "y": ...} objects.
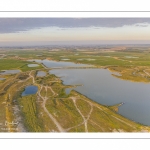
[
  {"x": 44, "y": 102},
  {"x": 146, "y": 72},
  {"x": 84, "y": 118},
  {"x": 32, "y": 76},
  {"x": 52, "y": 91},
  {"x": 50, "y": 115}
]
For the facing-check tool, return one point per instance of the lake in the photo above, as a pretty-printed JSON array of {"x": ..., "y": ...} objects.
[
  {"x": 100, "y": 86},
  {"x": 53, "y": 64},
  {"x": 31, "y": 89}
]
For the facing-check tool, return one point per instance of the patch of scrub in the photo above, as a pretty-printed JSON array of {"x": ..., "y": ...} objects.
[
  {"x": 10, "y": 72},
  {"x": 130, "y": 57},
  {"x": 41, "y": 74},
  {"x": 30, "y": 90},
  {"x": 33, "y": 65},
  {"x": 79, "y": 59}
]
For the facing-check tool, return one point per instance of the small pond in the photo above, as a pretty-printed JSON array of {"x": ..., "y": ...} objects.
[
  {"x": 31, "y": 89},
  {"x": 41, "y": 74},
  {"x": 5, "y": 72},
  {"x": 33, "y": 65}
]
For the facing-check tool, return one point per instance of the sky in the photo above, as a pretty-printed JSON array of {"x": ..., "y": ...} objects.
[{"x": 73, "y": 31}]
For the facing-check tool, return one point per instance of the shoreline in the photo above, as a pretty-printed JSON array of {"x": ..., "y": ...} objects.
[
  {"x": 101, "y": 67},
  {"x": 107, "y": 106}
]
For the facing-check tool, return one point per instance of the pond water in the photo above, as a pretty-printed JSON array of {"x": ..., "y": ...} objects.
[
  {"x": 33, "y": 65},
  {"x": 2, "y": 78},
  {"x": 30, "y": 90},
  {"x": 41, "y": 74},
  {"x": 100, "y": 86},
  {"x": 10, "y": 72}
]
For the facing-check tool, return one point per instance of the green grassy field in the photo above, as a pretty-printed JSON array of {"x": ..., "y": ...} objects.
[
  {"x": 30, "y": 113},
  {"x": 12, "y": 64}
]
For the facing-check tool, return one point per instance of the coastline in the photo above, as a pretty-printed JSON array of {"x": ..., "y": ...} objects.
[{"x": 106, "y": 106}]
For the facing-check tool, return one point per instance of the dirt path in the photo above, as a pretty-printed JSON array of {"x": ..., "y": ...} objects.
[
  {"x": 123, "y": 121},
  {"x": 50, "y": 115},
  {"x": 32, "y": 76},
  {"x": 74, "y": 126},
  {"x": 96, "y": 125},
  {"x": 18, "y": 118},
  {"x": 44, "y": 102},
  {"x": 83, "y": 117},
  {"x": 52, "y": 91}
]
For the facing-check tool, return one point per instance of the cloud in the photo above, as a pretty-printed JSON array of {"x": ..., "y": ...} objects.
[
  {"x": 144, "y": 24},
  {"x": 12, "y": 25}
]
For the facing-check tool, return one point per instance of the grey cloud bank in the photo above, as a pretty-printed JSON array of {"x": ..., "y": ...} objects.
[{"x": 12, "y": 25}]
